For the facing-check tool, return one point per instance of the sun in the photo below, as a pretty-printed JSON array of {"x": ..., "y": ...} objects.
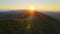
[{"x": 31, "y": 8}]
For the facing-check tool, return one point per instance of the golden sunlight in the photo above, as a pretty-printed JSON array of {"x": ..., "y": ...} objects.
[{"x": 31, "y": 8}]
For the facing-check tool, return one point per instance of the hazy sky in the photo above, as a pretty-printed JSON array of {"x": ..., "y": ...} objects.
[{"x": 23, "y": 4}]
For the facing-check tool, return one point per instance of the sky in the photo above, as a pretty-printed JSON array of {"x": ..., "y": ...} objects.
[{"x": 24, "y": 4}]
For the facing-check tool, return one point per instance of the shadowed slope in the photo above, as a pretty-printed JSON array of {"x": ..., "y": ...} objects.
[{"x": 44, "y": 24}]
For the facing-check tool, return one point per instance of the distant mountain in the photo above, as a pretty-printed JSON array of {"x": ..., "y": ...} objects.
[
  {"x": 54, "y": 14},
  {"x": 11, "y": 14}
]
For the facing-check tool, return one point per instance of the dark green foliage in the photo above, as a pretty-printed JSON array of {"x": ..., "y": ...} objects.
[{"x": 17, "y": 26}]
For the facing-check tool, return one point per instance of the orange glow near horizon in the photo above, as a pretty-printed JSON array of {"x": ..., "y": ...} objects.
[
  {"x": 31, "y": 13},
  {"x": 31, "y": 8}
]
